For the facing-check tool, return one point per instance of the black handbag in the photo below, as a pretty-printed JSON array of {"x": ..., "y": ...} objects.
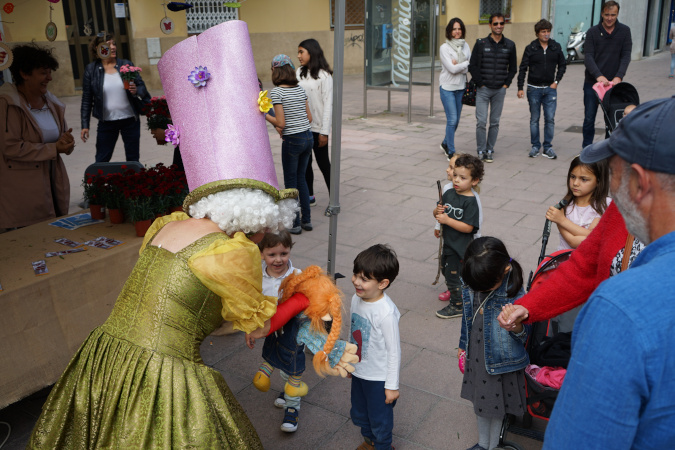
[{"x": 469, "y": 97}]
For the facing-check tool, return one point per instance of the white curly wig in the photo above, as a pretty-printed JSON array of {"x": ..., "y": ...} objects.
[{"x": 246, "y": 210}]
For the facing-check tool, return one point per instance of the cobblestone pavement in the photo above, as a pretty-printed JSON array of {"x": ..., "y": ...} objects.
[{"x": 388, "y": 179}]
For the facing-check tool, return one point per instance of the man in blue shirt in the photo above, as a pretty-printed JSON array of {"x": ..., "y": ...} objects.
[{"x": 619, "y": 392}]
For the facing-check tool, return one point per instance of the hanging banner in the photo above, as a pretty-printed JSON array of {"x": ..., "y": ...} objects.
[{"x": 401, "y": 19}]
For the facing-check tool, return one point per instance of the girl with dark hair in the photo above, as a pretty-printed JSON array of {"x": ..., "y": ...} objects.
[
  {"x": 314, "y": 75},
  {"x": 116, "y": 108},
  {"x": 493, "y": 374},
  {"x": 292, "y": 117},
  {"x": 455, "y": 56},
  {"x": 587, "y": 190},
  {"x": 33, "y": 137}
]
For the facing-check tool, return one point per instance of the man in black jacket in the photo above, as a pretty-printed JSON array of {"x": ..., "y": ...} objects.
[
  {"x": 607, "y": 55},
  {"x": 493, "y": 65},
  {"x": 545, "y": 60}
]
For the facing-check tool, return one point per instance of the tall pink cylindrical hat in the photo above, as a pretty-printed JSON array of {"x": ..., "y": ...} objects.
[{"x": 212, "y": 90}]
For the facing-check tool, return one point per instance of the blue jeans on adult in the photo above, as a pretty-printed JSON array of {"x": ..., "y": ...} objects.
[
  {"x": 106, "y": 138},
  {"x": 590, "y": 111},
  {"x": 370, "y": 413},
  {"x": 452, "y": 104},
  {"x": 493, "y": 98},
  {"x": 295, "y": 152},
  {"x": 538, "y": 97}
]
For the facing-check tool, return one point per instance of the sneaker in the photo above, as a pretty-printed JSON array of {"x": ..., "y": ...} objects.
[
  {"x": 481, "y": 156},
  {"x": 534, "y": 153},
  {"x": 444, "y": 148},
  {"x": 450, "y": 311},
  {"x": 290, "y": 423},
  {"x": 280, "y": 401},
  {"x": 549, "y": 153},
  {"x": 295, "y": 230},
  {"x": 367, "y": 444},
  {"x": 312, "y": 201},
  {"x": 488, "y": 157},
  {"x": 444, "y": 296},
  {"x": 307, "y": 226}
]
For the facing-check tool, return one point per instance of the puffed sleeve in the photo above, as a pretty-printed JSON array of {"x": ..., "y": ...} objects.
[{"x": 231, "y": 268}]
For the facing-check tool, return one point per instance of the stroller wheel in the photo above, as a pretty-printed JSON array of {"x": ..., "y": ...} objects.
[{"x": 509, "y": 446}]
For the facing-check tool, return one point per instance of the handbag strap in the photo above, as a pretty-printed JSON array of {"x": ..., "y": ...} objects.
[{"x": 626, "y": 252}]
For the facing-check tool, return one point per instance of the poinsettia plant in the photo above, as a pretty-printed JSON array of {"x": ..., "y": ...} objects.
[
  {"x": 95, "y": 191},
  {"x": 157, "y": 113}
]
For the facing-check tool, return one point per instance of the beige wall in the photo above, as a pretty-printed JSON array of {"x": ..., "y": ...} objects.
[
  {"x": 146, "y": 15},
  {"x": 287, "y": 16}
]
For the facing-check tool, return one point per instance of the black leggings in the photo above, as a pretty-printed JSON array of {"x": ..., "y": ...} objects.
[{"x": 321, "y": 154}]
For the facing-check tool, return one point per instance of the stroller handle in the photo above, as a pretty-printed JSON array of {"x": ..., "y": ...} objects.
[{"x": 547, "y": 231}]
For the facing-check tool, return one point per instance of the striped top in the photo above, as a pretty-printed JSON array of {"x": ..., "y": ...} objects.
[{"x": 293, "y": 100}]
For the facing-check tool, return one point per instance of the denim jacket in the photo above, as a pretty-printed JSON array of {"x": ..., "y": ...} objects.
[{"x": 504, "y": 350}]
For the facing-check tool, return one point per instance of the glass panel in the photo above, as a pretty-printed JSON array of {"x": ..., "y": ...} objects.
[{"x": 379, "y": 42}]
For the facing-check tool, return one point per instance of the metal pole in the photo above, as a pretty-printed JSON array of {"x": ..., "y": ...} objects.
[
  {"x": 434, "y": 31},
  {"x": 410, "y": 69},
  {"x": 338, "y": 67},
  {"x": 365, "y": 54}
]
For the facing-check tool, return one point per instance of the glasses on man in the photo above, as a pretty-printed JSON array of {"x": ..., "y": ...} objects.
[{"x": 496, "y": 24}]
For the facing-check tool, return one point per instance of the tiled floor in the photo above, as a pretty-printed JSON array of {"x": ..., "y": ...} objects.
[{"x": 387, "y": 190}]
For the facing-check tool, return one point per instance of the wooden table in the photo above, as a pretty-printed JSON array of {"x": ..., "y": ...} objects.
[{"x": 44, "y": 319}]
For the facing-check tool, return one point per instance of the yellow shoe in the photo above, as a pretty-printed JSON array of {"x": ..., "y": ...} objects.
[
  {"x": 299, "y": 391},
  {"x": 261, "y": 382}
]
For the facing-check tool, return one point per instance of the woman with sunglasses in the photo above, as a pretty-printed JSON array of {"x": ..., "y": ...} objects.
[{"x": 116, "y": 108}]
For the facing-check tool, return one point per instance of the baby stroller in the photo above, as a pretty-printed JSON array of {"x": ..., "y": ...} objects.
[
  {"x": 546, "y": 335},
  {"x": 613, "y": 102}
]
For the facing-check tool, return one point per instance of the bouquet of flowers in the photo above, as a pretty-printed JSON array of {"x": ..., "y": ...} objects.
[
  {"x": 157, "y": 113},
  {"x": 129, "y": 73}
]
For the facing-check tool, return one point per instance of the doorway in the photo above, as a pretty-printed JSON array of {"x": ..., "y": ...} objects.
[{"x": 84, "y": 20}]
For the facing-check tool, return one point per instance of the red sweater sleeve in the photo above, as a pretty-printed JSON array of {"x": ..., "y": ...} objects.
[
  {"x": 574, "y": 281},
  {"x": 295, "y": 304}
]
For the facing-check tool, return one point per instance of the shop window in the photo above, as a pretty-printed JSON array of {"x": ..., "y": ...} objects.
[
  {"x": 207, "y": 13},
  {"x": 488, "y": 7},
  {"x": 354, "y": 13}
]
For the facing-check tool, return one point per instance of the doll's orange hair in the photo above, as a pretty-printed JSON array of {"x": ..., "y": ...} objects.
[{"x": 324, "y": 298}]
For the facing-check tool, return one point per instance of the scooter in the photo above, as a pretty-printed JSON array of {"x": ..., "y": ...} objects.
[{"x": 575, "y": 43}]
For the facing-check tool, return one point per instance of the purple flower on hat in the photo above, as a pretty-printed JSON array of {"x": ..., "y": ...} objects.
[
  {"x": 172, "y": 135},
  {"x": 199, "y": 76}
]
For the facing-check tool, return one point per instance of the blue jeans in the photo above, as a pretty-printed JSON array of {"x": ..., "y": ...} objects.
[
  {"x": 452, "y": 104},
  {"x": 106, "y": 138},
  {"x": 371, "y": 413},
  {"x": 295, "y": 152},
  {"x": 538, "y": 97},
  {"x": 494, "y": 98},
  {"x": 590, "y": 111},
  {"x": 672, "y": 63}
]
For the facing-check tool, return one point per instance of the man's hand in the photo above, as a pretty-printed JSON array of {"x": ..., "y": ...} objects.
[
  {"x": 616, "y": 80},
  {"x": 84, "y": 134},
  {"x": 603, "y": 80},
  {"x": 521, "y": 93},
  {"x": 505, "y": 87},
  {"x": 390, "y": 396},
  {"x": 554, "y": 85}
]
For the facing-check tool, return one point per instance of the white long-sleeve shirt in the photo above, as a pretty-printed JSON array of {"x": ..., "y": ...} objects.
[
  {"x": 374, "y": 328},
  {"x": 320, "y": 98},
  {"x": 453, "y": 76}
]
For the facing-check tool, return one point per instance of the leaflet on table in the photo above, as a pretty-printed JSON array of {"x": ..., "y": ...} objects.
[
  {"x": 40, "y": 267},
  {"x": 64, "y": 252},
  {"x": 68, "y": 242},
  {"x": 74, "y": 222},
  {"x": 103, "y": 242}
]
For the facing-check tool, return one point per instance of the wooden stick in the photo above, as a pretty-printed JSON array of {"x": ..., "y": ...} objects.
[{"x": 440, "y": 239}]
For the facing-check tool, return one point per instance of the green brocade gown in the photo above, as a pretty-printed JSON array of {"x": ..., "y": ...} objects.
[{"x": 138, "y": 381}]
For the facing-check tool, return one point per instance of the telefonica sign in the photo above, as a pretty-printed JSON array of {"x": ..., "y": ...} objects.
[{"x": 400, "y": 60}]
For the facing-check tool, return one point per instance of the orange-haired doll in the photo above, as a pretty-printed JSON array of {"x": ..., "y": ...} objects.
[{"x": 284, "y": 348}]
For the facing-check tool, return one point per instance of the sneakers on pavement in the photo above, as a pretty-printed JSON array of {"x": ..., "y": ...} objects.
[
  {"x": 488, "y": 157},
  {"x": 481, "y": 156},
  {"x": 307, "y": 226},
  {"x": 450, "y": 311},
  {"x": 549, "y": 153},
  {"x": 280, "y": 401},
  {"x": 290, "y": 423},
  {"x": 534, "y": 153},
  {"x": 312, "y": 200},
  {"x": 444, "y": 296},
  {"x": 295, "y": 230}
]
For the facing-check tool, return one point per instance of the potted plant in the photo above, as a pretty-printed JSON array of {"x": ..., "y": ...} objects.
[
  {"x": 140, "y": 211},
  {"x": 157, "y": 113},
  {"x": 129, "y": 73},
  {"x": 115, "y": 200},
  {"x": 95, "y": 194}
]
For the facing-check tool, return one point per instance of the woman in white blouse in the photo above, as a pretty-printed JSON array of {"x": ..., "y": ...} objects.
[
  {"x": 455, "y": 56},
  {"x": 117, "y": 109},
  {"x": 315, "y": 77},
  {"x": 34, "y": 184}
]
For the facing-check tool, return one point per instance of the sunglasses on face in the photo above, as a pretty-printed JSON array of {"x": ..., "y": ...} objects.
[{"x": 495, "y": 24}]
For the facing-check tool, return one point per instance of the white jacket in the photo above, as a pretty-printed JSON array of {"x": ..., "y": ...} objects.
[
  {"x": 320, "y": 98},
  {"x": 453, "y": 76}
]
